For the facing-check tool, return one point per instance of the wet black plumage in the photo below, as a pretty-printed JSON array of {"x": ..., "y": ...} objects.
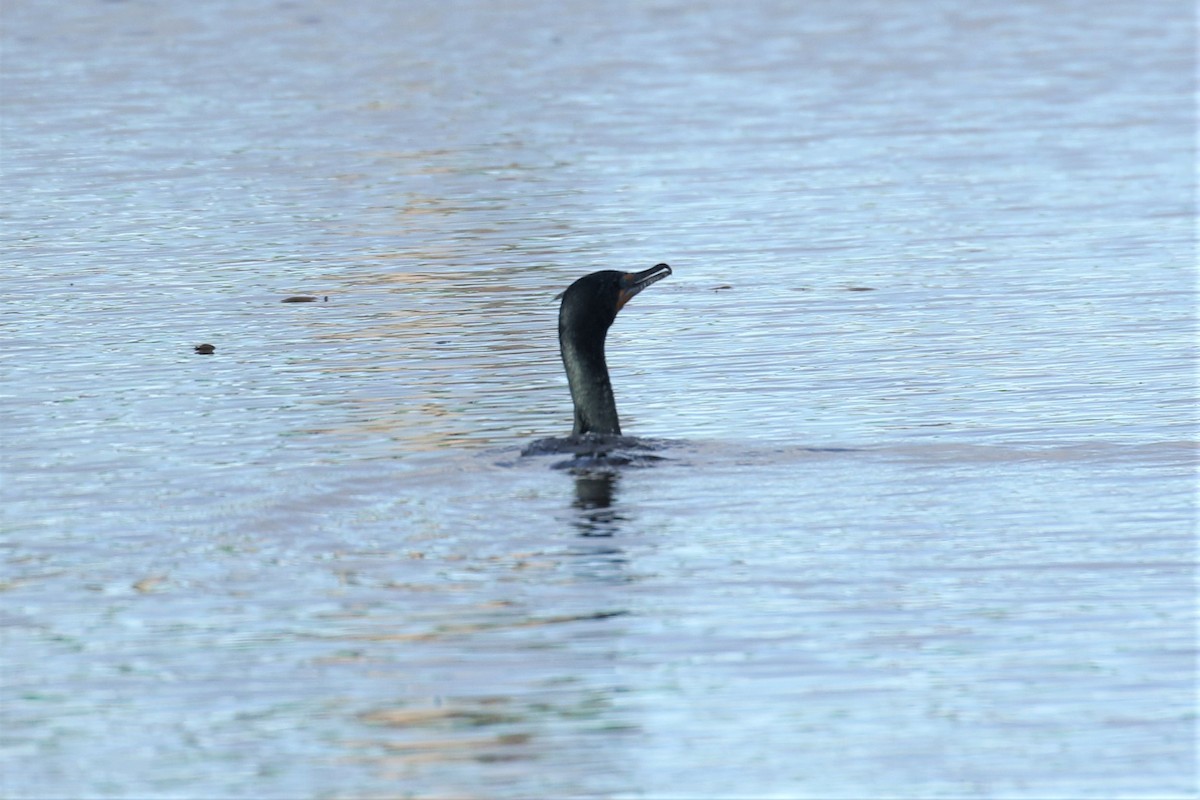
[{"x": 588, "y": 309}]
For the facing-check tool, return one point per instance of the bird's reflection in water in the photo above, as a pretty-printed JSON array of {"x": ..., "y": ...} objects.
[
  {"x": 598, "y": 519},
  {"x": 594, "y": 495}
]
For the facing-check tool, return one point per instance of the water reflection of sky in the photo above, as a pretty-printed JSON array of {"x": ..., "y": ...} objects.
[{"x": 925, "y": 367}]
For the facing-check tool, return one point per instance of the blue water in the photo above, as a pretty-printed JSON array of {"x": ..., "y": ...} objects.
[{"x": 926, "y": 372}]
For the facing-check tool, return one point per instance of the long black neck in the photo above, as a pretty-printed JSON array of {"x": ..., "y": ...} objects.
[{"x": 587, "y": 374}]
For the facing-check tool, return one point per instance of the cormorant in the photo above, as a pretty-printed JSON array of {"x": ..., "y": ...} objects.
[{"x": 589, "y": 307}]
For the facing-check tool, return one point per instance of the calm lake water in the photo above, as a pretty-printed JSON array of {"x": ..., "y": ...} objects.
[{"x": 926, "y": 371}]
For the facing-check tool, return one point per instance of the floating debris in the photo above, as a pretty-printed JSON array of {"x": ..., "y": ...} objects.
[
  {"x": 860, "y": 288},
  {"x": 205, "y": 349},
  {"x": 300, "y": 298},
  {"x": 149, "y": 583}
]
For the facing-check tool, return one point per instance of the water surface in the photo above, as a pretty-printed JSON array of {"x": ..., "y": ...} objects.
[{"x": 926, "y": 366}]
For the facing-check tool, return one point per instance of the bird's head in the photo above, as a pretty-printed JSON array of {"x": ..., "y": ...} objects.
[{"x": 591, "y": 303}]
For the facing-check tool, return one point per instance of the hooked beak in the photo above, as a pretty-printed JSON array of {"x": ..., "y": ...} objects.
[{"x": 634, "y": 282}]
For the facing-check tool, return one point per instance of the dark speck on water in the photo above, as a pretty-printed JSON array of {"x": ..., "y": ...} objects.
[
  {"x": 300, "y": 298},
  {"x": 205, "y": 349}
]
